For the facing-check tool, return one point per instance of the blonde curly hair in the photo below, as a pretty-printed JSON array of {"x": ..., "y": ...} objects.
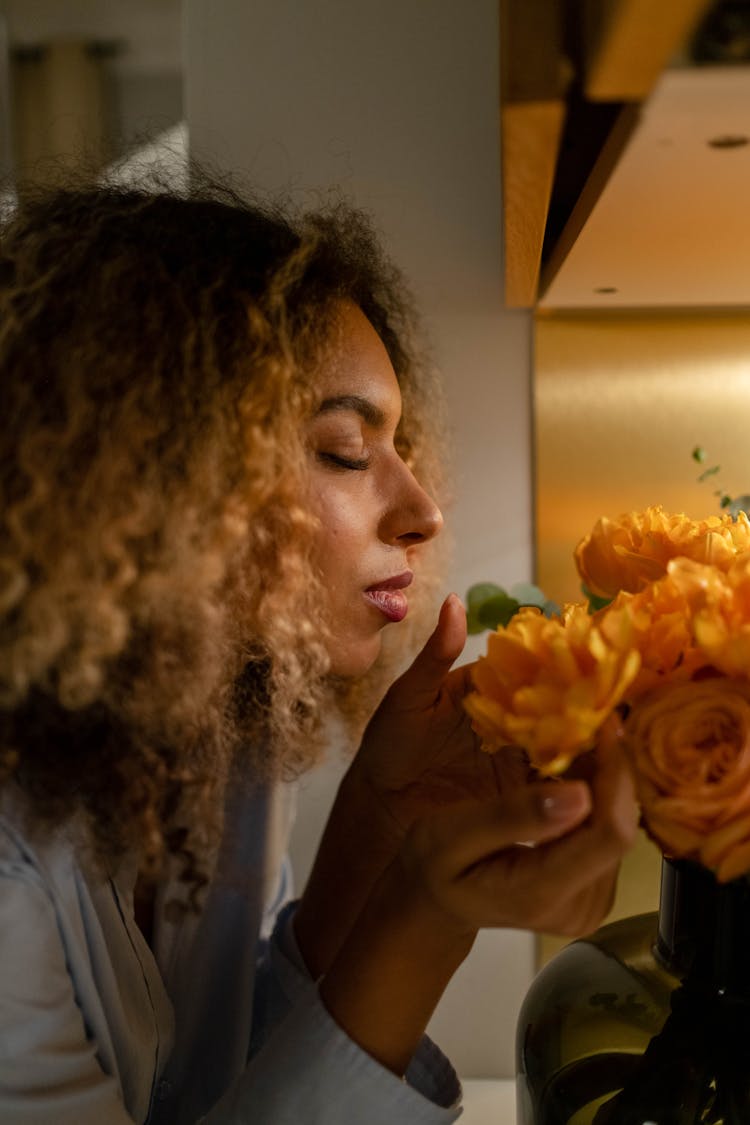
[{"x": 159, "y": 610}]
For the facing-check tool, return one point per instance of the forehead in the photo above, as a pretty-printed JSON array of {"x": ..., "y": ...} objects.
[{"x": 357, "y": 363}]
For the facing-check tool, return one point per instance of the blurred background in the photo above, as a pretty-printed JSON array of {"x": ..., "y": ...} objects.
[{"x": 86, "y": 79}]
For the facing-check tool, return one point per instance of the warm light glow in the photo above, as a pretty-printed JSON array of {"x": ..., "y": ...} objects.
[{"x": 621, "y": 400}]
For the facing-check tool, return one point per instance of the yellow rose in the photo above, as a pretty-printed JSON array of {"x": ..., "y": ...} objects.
[
  {"x": 689, "y": 744},
  {"x": 629, "y": 552},
  {"x": 548, "y": 684}
]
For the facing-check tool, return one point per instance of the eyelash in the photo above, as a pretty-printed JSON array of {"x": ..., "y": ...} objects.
[{"x": 345, "y": 462}]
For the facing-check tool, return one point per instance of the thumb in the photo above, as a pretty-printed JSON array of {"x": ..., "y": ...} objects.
[{"x": 441, "y": 648}]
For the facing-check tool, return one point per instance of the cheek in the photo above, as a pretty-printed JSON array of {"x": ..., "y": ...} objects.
[
  {"x": 343, "y": 531},
  {"x": 343, "y": 541}
]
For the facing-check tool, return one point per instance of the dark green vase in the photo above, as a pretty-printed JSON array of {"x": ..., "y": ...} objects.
[{"x": 646, "y": 1022}]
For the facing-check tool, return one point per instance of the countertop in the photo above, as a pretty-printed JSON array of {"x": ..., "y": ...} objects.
[{"x": 488, "y": 1101}]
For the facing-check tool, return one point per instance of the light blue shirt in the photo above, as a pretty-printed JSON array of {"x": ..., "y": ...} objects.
[{"x": 215, "y": 1024}]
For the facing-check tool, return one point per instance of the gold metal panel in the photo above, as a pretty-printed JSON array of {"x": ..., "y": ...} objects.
[{"x": 620, "y": 401}]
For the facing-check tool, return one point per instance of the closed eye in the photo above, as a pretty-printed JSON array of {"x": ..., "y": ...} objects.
[{"x": 352, "y": 463}]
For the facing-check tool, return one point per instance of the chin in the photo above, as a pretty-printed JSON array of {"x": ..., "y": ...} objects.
[{"x": 350, "y": 660}]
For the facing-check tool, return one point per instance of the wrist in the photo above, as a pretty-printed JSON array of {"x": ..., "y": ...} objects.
[{"x": 394, "y": 966}]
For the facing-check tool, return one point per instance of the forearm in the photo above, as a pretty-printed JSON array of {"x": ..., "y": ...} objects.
[
  {"x": 311, "y": 1066},
  {"x": 417, "y": 753},
  {"x": 391, "y": 971},
  {"x": 359, "y": 842}
]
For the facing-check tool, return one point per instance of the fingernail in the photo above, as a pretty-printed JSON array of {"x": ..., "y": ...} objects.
[
  {"x": 561, "y": 803},
  {"x": 454, "y": 597}
]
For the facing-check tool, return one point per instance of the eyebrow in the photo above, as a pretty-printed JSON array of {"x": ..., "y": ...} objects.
[{"x": 367, "y": 410}]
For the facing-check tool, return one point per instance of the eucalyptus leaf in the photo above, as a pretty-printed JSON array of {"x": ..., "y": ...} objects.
[
  {"x": 475, "y": 597},
  {"x": 497, "y": 611},
  {"x": 739, "y": 504},
  {"x": 489, "y": 605},
  {"x": 526, "y": 593},
  {"x": 596, "y": 601},
  {"x": 481, "y": 591}
]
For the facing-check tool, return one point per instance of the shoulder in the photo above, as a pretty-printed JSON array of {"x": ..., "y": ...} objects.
[
  {"x": 42, "y": 861},
  {"x": 56, "y": 1037},
  {"x": 44, "y": 906},
  {"x": 30, "y": 878},
  {"x": 16, "y": 848}
]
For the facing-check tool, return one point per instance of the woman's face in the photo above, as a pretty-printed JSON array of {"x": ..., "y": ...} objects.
[{"x": 374, "y": 515}]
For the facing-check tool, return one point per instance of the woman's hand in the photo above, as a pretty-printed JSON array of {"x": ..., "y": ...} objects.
[
  {"x": 419, "y": 756},
  {"x": 560, "y": 876},
  {"x": 543, "y": 856},
  {"x": 418, "y": 753}
]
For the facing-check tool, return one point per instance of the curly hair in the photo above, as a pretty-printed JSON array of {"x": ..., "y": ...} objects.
[{"x": 159, "y": 615}]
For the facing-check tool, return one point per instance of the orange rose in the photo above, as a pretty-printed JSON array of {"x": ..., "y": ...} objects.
[
  {"x": 548, "y": 684},
  {"x": 690, "y": 748},
  {"x": 721, "y": 614},
  {"x": 630, "y": 552},
  {"x": 658, "y": 623}
]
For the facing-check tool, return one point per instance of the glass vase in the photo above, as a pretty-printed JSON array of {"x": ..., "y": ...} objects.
[{"x": 646, "y": 1022}]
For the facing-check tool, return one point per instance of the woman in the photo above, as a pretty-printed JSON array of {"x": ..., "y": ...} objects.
[{"x": 217, "y": 477}]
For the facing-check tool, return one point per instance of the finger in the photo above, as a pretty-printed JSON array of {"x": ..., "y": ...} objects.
[
  {"x": 443, "y": 646},
  {"x": 516, "y": 890},
  {"x": 449, "y": 636},
  {"x": 596, "y": 847},
  {"x": 609, "y": 742},
  {"x": 592, "y": 853},
  {"x": 462, "y": 835},
  {"x": 613, "y": 786},
  {"x": 595, "y": 850},
  {"x": 593, "y": 906},
  {"x": 482, "y": 876},
  {"x": 610, "y": 739}
]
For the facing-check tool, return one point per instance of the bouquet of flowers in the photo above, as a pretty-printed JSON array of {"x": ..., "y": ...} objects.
[{"x": 664, "y": 639}]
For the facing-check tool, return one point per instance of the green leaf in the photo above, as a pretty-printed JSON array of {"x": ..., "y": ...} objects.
[
  {"x": 596, "y": 601},
  {"x": 528, "y": 594},
  {"x": 699, "y": 454},
  {"x": 497, "y": 611},
  {"x": 739, "y": 504},
  {"x": 475, "y": 597},
  {"x": 481, "y": 591},
  {"x": 489, "y": 605},
  {"x": 709, "y": 473}
]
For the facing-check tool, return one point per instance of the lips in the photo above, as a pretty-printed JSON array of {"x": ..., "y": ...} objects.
[{"x": 388, "y": 596}]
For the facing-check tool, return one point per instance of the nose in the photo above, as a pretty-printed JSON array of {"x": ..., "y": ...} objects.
[{"x": 412, "y": 516}]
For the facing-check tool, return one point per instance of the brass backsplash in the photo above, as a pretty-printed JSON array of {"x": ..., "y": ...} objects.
[{"x": 620, "y": 401}]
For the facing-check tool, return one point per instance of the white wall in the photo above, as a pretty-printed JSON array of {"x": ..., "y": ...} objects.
[{"x": 396, "y": 103}]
